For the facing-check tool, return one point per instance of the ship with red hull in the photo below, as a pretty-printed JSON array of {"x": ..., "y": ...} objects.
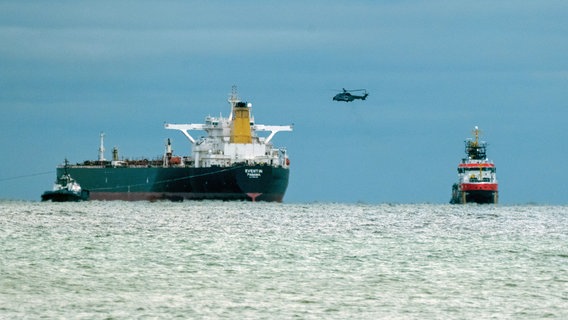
[
  {"x": 232, "y": 162},
  {"x": 477, "y": 178}
]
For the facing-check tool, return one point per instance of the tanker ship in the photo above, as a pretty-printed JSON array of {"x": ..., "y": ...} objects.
[
  {"x": 231, "y": 162},
  {"x": 477, "y": 179}
]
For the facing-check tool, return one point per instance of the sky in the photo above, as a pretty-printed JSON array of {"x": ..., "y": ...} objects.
[{"x": 434, "y": 70}]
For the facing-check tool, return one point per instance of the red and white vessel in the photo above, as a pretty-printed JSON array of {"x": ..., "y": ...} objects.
[{"x": 477, "y": 175}]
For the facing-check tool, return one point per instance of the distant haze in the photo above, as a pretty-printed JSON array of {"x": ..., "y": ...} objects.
[{"x": 433, "y": 70}]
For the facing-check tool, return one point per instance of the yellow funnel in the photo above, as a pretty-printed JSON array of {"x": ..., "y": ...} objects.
[{"x": 240, "y": 131}]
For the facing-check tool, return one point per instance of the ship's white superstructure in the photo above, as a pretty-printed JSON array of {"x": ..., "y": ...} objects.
[{"x": 232, "y": 140}]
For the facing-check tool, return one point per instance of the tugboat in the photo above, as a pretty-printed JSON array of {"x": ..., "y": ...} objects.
[
  {"x": 65, "y": 189},
  {"x": 477, "y": 175}
]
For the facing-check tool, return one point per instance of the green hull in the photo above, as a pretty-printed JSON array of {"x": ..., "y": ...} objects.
[{"x": 257, "y": 183}]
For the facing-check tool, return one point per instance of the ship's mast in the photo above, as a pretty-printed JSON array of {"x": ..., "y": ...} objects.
[
  {"x": 168, "y": 153},
  {"x": 233, "y": 99},
  {"x": 475, "y": 149},
  {"x": 476, "y": 133},
  {"x": 476, "y": 145},
  {"x": 102, "y": 148}
]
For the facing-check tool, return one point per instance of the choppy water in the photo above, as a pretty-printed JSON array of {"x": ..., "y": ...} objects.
[{"x": 259, "y": 260}]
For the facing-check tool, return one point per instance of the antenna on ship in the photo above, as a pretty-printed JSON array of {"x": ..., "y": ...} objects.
[
  {"x": 474, "y": 148},
  {"x": 102, "y": 148},
  {"x": 476, "y": 133},
  {"x": 233, "y": 99}
]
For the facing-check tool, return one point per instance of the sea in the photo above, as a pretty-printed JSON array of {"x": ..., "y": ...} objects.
[{"x": 244, "y": 260}]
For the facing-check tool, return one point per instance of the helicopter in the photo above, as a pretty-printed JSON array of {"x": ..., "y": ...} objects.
[{"x": 348, "y": 97}]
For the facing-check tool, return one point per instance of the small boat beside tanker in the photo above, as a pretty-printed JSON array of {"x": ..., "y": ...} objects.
[{"x": 65, "y": 189}]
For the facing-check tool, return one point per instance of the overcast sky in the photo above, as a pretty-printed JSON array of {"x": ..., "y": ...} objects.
[{"x": 434, "y": 70}]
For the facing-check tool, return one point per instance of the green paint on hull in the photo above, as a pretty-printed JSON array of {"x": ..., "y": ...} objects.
[{"x": 179, "y": 183}]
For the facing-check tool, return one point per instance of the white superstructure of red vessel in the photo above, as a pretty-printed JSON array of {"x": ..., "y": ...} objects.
[{"x": 477, "y": 177}]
